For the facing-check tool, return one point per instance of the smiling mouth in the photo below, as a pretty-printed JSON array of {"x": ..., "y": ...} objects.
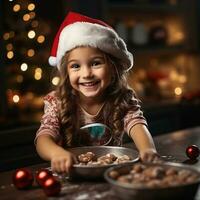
[{"x": 90, "y": 84}]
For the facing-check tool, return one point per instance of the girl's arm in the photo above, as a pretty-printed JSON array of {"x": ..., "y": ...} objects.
[
  {"x": 61, "y": 160},
  {"x": 144, "y": 143}
]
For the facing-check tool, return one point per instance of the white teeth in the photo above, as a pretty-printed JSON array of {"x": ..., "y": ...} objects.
[{"x": 89, "y": 84}]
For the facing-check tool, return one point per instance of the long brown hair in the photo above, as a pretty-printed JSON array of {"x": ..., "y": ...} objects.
[{"x": 119, "y": 99}]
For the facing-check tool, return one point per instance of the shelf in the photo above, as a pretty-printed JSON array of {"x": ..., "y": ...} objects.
[
  {"x": 143, "y": 7},
  {"x": 157, "y": 49}
]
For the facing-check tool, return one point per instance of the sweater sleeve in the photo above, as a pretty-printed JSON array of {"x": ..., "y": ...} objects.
[
  {"x": 134, "y": 116},
  {"x": 50, "y": 124}
]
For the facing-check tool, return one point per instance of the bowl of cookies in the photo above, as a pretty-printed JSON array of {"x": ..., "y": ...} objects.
[
  {"x": 152, "y": 181},
  {"x": 94, "y": 160}
]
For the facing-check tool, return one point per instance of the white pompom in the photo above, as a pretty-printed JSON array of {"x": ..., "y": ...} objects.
[{"x": 52, "y": 61}]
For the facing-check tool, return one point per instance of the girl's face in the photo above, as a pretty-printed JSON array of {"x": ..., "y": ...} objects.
[{"x": 89, "y": 72}]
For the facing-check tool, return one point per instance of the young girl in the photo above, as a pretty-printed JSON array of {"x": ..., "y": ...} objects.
[{"x": 92, "y": 61}]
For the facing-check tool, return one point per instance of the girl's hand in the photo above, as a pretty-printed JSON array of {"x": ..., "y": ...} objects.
[
  {"x": 62, "y": 161},
  {"x": 150, "y": 155}
]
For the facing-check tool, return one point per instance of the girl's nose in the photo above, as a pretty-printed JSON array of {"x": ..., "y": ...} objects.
[{"x": 86, "y": 71}]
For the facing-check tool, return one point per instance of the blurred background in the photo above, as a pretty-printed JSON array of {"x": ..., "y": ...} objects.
[{"x": 163, "y": 35}]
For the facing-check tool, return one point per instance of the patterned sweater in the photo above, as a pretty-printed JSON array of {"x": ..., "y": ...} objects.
[{"x": 50, "y": 122}]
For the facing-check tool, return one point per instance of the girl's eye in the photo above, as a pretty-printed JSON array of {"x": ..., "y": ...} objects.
[
  {"x": 95, "y": 63},
  {"x": 75, "y": 66}
]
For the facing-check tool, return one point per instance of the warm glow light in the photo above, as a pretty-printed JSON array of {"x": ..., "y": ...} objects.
[
  {"x": 6, "y": 36},
  {"x": 175, "y": 31},
  {"x": 41, "y": 39},
  {"x": 34, "y": 23},
  {"x": 31, "y": 34},
  {"x": 179, "y": 36},
  {"x": 20, "y": 78},
  {"x": 38, "y": 73},
  {"x": 9, "y": 46},
  {"x": 55, "y": 80},
  {"x": 16, "y": 98},
  {"x": 16, "y": 7},
  {"x": 37, "y": 76},
  {"x": 10, "y": 54},
  {"x": 32, "y": 15},
  {"x": 24, "y": 66},
  {"x": 38, "y": 70},
  {"x": 29, "y": 95},
  {"x": 26, "y": 17},
  {"x": 173, "y": 75},
  {"x": 12, "y": 34},
  {"x": 182, "y": 79},
  {"x": 178, "y": 91},
  {"x": 31, "y": 52},
  {"x": 31, "y": 6}
]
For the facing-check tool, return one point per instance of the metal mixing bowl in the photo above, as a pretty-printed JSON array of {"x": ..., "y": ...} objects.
[
  {"x": 129, "y": 192},
  {"x": 96, "y": 172}
]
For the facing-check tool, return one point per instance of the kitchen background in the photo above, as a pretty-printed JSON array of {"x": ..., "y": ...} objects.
[{"x": 163, "y": 35}]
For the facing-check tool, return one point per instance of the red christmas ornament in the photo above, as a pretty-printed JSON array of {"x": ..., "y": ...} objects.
[
  {"x": 23, "y": 178},
  {"x": 42, "y": 175},
  {"x": 52, "y": 186},
  {"x": 192, "y": 152}
]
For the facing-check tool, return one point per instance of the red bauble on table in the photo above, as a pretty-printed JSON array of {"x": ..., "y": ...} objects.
[
  {"x": 192, "y": 152},
  {"x": 23, "y": 178},
  {"x": 42, "y": 175},
  {"x": 52, "y": 186}
]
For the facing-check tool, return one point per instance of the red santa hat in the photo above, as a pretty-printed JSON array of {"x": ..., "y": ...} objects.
[{"x": 79, "y": 30}]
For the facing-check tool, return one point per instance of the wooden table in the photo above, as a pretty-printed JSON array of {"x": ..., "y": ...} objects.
[{"x": 172, "y": 146}]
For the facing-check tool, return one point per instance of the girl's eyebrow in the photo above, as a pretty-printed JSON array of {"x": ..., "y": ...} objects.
[
  {"x": 98, "y": 56},
  {"x": 73, "y": 60},
  {"x": 92, "y": 57}
]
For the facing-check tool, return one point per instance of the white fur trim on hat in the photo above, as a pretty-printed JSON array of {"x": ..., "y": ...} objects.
[
  {"x": 52, "y": 61},
  {"x": 94, "y": 35}
]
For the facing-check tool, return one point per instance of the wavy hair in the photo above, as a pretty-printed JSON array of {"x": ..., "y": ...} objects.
[{"x": 119, "y": 99}]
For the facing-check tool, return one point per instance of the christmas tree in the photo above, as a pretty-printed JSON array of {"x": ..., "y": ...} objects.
[{"x": 26, "y": 56}]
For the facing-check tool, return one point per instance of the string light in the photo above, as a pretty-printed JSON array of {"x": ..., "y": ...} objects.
[
  {"x": 38, "y": 73},
  {"x": 182, "y": 79},
  {"x": 9, "y": 46},
  {"x": 32, "y": 15},
  {"x": 173, "y": 75},
  {"x": 16, "y": 98},
  {"x": 29, "y": 95},
  {"x": 24, "y": 66},
  {"x": 26, "y": 17},
  {"x": 12, "y": 34},
  {"x": 37, "y": 76},
  {"x": 179, "y": 36},
  {"x": 10, "y": 54},
  {"x": 55, "y": 80},
  {"x": 19, "y": 78},
  {"x": 41, "y": 39},
  {"x": 38, "y": 70},
  {"x": 178, "y": 91},
  {"x": 30, "y": 52},
  {"x": 6, "y": 36},
  {"x": 34, "y": 23},
  {"x": 16, "y": 8},
  {"x": 31, "y": 34},
  {"x": 31, "y": 6}
]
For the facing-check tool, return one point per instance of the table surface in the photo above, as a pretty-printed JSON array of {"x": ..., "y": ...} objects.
[{"x": 171, "y": 146}]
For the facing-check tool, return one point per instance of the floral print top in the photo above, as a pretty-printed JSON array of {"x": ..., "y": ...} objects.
[{"x": 50, "y": 122}]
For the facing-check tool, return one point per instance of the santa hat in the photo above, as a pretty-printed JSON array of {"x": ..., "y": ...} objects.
[{"x": 79, "y": 30}]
